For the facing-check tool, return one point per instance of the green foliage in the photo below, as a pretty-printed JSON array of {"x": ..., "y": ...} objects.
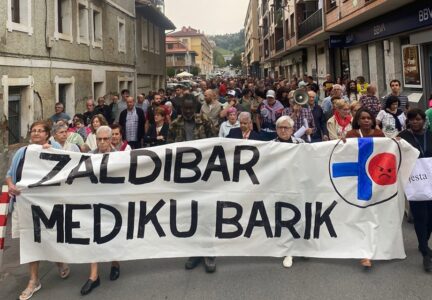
[
  {"x": 195, "y": 71},
  {"x": 236, "y": 60},
  {"x": 230, "y": 42},
  {"x": 170, "y": 72},
  {"x": 223, "y": 51},
  {"x": 218, "y": 58}
]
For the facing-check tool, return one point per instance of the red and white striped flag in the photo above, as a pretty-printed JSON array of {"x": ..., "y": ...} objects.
[{"x": 4, "y": 204}]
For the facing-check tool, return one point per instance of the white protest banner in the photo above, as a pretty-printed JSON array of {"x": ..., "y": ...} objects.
[
  {"x": 419, "y": 186},
  {"x": 216, "y": 197}
]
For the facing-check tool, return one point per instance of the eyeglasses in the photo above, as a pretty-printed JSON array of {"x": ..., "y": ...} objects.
[
  {"x": 37, "y": 131},
  {"x": 284, "y": 127},
  {"x": 105, "y": 139}
]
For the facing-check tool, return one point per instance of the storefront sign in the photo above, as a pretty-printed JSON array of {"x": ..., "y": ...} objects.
[
  {"x": 406, "y": 18},
  {"x": 411, "y": 66}
]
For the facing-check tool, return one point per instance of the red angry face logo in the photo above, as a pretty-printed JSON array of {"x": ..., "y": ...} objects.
[{"x": 382, "y": 169}]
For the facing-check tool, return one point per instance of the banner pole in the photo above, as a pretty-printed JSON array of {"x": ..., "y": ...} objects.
[{"x": 4, "y": 204}]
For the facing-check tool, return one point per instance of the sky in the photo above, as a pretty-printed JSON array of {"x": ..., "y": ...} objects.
[{"x": 212, "y": 16}]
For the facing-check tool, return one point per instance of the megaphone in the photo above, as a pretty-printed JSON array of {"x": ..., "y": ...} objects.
[{"x": 301, "y": 97}]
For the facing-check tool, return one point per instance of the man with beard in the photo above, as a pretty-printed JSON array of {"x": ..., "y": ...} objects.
[
  {"x": 157, "y": 101},
  {"x": 211, "y": 108}
]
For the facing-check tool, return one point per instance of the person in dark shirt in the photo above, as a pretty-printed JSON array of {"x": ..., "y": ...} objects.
[
  {"x": 321, "y": 133},
  {"x": 421, "y": 139},
  {"x": 312, "y": 85},
  {"x": 104, "y": 109},
  {"x": 91, "y": 112}
]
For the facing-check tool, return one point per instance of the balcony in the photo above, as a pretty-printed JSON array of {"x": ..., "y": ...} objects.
[
  {"x": 280, "y": 44},
  {"x": 311, "y": 24}
]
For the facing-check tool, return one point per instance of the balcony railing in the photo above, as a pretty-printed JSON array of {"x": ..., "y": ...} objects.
[{"x": 311, "y": 24}]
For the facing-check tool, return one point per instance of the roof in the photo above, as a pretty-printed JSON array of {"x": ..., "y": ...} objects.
[
  {"x": 153, "y": 14},
  {"x": 187, "y": 31}
]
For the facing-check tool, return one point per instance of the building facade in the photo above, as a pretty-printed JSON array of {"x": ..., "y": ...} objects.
[
  {"x": 73, "y": 50},
  {"x": 196, "y": 41},
  {"x": 178, "y": 56},
  {"x": 252, "y": 48},
  {"x": 378, "y": 39}
]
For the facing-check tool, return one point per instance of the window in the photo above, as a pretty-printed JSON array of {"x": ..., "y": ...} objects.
[
  {"x": 151, "y": 37},
  {"x": 121, "y": 35},
  {"x": 144, "y": 34},
  {"x": 185, "y": 42},
  {"x": 18, "y": 106},
  {"x": 19, "y": 16},
  {"x": 96, "y": 18},
  {"x": 157, "y": 39},
  {"x": 125, "y": 82},
  {"x": 170, "y": 46},
  {"x": 15, "y": 11},
  {"x": 63, "y": 20},
  {"x": 331, "y": 4},
  {"x": 65, "y": 93},
  {"x": 292, "y": 25},
  {"x": 82, "y": 22},
  {"x": 98, "y": 90}
]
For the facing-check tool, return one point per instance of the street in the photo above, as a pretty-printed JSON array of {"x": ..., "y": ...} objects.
[{"x": 235, "y": 278}]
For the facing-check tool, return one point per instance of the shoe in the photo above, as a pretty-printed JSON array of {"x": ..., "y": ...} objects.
[
  {"x": 64, "y": 271},
  {"x": 210, "y": 264},
  {"x": 366, "y": 263},
  {"x": 89, "y": 286},
  {"x": 115, "y": 273},
  {"x": 192, "y": 262},
  {"x": 30, "y": 290},
  {"x": 287, "y": 262},
  {"x": 427, "y": 263}
]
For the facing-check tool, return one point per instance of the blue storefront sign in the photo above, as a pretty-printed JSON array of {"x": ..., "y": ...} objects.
[{"x": 410, "y": 17}]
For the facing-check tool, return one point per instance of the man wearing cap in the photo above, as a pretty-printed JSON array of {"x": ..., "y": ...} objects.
[
  {"x": 269, "y": 111},
  {"x": 232, "y": 101}
]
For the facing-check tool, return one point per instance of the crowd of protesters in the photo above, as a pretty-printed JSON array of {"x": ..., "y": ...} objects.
[{"x": 238, "y": 108}]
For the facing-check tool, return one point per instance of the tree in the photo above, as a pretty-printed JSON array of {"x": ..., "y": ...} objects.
[
  {"x": 195, "y": 71},
  {"x": 236, "y": 60},
  {"x": 171, "y": 72},
  {"x": 218, "y": 59}
]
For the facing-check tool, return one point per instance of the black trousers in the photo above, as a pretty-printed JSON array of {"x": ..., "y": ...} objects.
[{"x": 422, "y": 214}]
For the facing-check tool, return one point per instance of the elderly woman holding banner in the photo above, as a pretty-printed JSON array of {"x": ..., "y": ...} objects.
[
  {"x": 39, "y": 135},
  {"x": 103, "y": 145},
  {"x": 419, "y": 137},
  {"x": 285, "y": 130}
]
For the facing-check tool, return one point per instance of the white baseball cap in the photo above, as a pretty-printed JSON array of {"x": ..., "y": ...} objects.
[
  {"x": 231, "y": 93},
  {"x": 271, "y": 94}
]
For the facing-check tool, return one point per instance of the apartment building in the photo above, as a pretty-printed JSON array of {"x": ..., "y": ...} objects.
[
  {"x": 71, "y": 50},
  {"x": 178, "y": 56},
  {"x": 195, "y": 40},
  {"x": 251, "y": 56},
  {"x": 378, "y": 39}
]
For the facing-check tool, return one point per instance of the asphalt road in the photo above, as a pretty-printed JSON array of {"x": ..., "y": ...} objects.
[{"x": 235, "y": 278}]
